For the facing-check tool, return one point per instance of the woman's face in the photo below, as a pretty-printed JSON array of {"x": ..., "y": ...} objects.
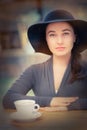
[{"x": 60, "y": 38}]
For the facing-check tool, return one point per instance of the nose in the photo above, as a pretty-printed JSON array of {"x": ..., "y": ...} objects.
[{"x": 59, "y": 40}]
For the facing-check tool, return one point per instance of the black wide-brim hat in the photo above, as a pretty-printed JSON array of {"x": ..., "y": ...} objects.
[{"x": 36, "y": 32}]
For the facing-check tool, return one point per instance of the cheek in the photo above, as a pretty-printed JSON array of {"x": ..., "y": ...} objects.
[
  {"x": 72, "y": 40},
  {"x": 71, "y": 44},
  {"x": 49, "y": 41}
]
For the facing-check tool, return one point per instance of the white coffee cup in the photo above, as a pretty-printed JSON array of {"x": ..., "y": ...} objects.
[{"x": 26, "y": 106}]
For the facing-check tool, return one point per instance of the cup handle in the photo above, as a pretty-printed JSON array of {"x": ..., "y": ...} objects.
[{"x": 36, "y": 107}]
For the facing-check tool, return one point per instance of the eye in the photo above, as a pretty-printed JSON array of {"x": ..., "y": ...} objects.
[
  {"x": 52, "y": 35},
  {"x": 66, "y": 33}
]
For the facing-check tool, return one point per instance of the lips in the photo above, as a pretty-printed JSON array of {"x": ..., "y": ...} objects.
[{"x": 60, "y": 48}]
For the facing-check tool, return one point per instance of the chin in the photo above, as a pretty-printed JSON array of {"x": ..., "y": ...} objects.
[{"x": 62, "y": 54}]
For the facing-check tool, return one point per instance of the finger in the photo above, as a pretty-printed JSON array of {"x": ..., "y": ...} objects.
[
  {"x": 62, "y": 109},
  {"x": 55, "y": 109},
  {"x": 42, "y": 108},
  {"x": 71, "y": 99},
  {"x": 64, "y": 104}
]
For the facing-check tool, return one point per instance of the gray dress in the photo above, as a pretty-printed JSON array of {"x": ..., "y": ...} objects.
[{"x": 39, "y": 78}]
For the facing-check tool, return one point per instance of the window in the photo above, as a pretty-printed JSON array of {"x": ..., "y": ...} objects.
[{"x": 9, "y": 40}]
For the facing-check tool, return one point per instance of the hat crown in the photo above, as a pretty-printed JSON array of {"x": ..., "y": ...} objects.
[{"x": 58, "y": 15}]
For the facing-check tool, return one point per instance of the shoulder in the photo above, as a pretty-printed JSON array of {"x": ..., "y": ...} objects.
[{"x": 39, "y": 67}]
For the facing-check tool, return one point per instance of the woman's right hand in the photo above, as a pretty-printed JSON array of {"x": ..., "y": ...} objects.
[
  {"x": 54, "y": 109},
  {"x": 62, "y": 101}
]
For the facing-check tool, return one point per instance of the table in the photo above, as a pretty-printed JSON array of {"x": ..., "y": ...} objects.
[{"x": 67, "y": 120}]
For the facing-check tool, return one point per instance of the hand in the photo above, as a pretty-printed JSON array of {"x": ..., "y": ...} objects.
[
  {"x": 62, "y": 101},
  {"x": 54, "y": 109}
]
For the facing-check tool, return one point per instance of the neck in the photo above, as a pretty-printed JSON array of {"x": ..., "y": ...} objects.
[{"x": 61, "y": 60}]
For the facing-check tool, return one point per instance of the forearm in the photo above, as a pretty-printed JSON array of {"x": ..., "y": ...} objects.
[
  {"x": 44, "y": 101},
  {"x": 9, "y": 98}
]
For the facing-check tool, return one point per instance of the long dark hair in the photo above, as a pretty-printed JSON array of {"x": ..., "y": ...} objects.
[
  {"x": 75, "y": 65},
  {"x": 77, "y": 69}
]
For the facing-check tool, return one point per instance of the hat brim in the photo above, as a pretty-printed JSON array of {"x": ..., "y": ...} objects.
[{"x": 36, "y": 34}]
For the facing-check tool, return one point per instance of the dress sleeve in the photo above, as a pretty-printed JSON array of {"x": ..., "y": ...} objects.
[
  {"x": 80, "y": 104},
  {"x": 20, "y": 88}
]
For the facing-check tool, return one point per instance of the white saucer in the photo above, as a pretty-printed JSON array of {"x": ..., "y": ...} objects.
[{"x": 20, "y": 117}]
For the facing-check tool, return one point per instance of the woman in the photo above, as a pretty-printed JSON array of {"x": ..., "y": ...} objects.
[{"x": 60, "y": 82}]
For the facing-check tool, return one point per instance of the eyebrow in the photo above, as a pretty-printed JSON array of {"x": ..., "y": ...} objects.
[
  {"x": 51, "y": 32},
  {"x": 62, "y": 30},
  {"x": 66, "y": 30}
]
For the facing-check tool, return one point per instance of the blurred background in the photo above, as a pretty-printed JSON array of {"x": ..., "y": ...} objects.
[{"x": 16, "y": 53}]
